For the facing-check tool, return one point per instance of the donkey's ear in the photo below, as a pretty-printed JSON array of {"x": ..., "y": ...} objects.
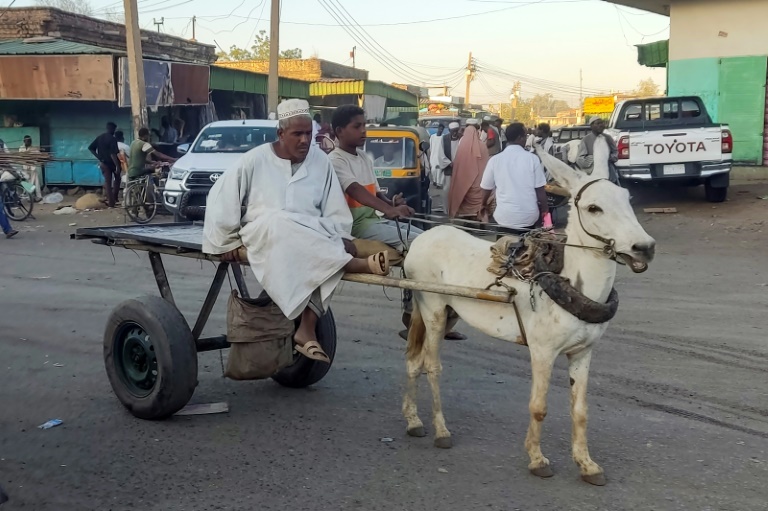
[
  {"x": 601, "y": 152},
  {"x": 562, "y": 172}
]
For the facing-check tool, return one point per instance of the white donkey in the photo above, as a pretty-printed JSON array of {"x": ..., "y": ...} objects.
[{"x": 602, "y": 227}]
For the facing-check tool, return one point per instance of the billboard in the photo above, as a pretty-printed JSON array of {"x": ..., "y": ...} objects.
[{"x": 599, "y": 105}]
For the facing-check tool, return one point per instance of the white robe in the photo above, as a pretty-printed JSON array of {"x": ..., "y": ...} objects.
[{"x": 293, "y": 226}]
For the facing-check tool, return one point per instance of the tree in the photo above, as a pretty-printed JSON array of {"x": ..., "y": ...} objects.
[
  {"x": 76, "y": 6},
  {"x": 259, "y": 50},
  {"x": 545, "y": 105},
  {"x": 646, "y": 88}
]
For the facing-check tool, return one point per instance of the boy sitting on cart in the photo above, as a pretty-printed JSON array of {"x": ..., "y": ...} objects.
[{"x": 365, "y": 198}]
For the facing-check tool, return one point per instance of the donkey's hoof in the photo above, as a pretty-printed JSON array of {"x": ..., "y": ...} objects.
[
  {"x": 418, "y": 432},
  {"x": 443, "y": 442},
  {"x": 595, "y": 479},
  {"x": 543, "y": 472}
]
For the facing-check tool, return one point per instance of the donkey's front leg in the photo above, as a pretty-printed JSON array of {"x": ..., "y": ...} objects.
[
  {"x": 578, "y": 369},
  {"x": 541, "y": 367}
]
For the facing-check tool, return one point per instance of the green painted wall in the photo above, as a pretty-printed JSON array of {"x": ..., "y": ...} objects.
[
  {"x": 696, "y": 77},
  {"x": 733, "y": 90},
  {"x": 742, "y": 105}
]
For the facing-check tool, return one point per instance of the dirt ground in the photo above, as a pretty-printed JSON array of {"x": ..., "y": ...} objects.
[{"x": 678, "y": 390}]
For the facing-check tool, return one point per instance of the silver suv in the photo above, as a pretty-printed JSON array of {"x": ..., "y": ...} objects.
[{"x": 216, "y": 149}]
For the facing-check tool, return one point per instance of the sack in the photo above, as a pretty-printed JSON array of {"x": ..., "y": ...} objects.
[
  {"x": 261, "y": 338},
  {"x": 28, "y": 187}
]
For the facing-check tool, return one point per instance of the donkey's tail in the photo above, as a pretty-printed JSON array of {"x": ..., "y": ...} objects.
[{"x": 416, "y": 332}]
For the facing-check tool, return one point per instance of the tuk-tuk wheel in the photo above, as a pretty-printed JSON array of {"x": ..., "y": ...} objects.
[
  {"x": 150, "y": 357},
  {"x": 305, "y": 372}
]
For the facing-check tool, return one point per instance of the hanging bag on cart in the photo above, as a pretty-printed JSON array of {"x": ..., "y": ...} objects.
[{"x": 261, "y": 338}]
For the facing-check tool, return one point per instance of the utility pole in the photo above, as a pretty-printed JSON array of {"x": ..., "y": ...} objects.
[
  {"x": 352, "y": 54},
  {"x": 135, "y": 67},
  {"x": 470, "y": 77},
  {"x": 273, "y": 82},
  {"x": 158, "y": 23},
  {"x": 194, "y": 22}
]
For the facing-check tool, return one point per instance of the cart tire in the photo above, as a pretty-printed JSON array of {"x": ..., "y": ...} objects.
[
  {"x": 305, "y": 372},
  {"x": 150, "y": 357}
]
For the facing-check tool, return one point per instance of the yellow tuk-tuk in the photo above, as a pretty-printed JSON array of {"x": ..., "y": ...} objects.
[{"x": 400, "y": 163}]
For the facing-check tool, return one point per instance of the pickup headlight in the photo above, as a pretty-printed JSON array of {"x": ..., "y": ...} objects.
[{"x": 177, "y": 173}]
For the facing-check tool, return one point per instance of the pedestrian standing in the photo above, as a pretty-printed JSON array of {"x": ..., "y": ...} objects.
[
  {"x": 30, "y": 171},
  {"x": 9, "y": 231},
  {"x": 502, "y": 136},
  {"x": 442, "y": 162},
  {"x": 493, "y": 139},
  {"x": 105, "y": 149},
  {"x": 468, "y": 167},
  {"x": 586, "y": 158}
]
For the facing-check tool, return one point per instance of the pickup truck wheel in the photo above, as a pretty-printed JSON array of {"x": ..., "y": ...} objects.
[{"x": 715, "y": 194}]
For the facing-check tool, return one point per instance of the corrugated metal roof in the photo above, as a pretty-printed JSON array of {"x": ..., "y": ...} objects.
[{"x": 49, "y": 46}]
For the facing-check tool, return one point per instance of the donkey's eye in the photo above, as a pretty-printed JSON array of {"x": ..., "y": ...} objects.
[{"x": 595, "y": 209}]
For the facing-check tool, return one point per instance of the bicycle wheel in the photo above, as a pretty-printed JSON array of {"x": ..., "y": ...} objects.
[
  {"x": 18, "y": 202},
  {"x": 136, "y": 206}
]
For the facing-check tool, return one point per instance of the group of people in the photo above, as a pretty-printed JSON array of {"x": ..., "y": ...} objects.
[
  {"x": 297, "y": 215},
  {"x": 480, "y": 163},
  {"x": 115, "y": 158}
]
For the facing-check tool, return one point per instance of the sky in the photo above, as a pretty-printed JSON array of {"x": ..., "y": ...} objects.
[{"x": 545, "y": 44}]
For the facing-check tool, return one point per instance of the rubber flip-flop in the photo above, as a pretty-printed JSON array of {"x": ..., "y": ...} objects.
[
  {"x": 455, "y": 336},
  {"x": 379, "y": 263},
  {"x": 313, "y": 351}
]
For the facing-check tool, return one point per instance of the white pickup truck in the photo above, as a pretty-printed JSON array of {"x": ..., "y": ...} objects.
[{"x": 672, "y": 140}]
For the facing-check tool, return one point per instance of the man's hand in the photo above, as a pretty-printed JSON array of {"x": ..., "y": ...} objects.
[
  {"x": 233, "y": 256},
  {"x": 398, "y": 200},
  {"x": 350, "y": 247},
  {"x": 613, "y": 159},
  {"x": 402, "y": 211}
]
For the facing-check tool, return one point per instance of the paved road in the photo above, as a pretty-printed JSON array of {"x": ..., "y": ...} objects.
[{"x": 679, "y": 394}]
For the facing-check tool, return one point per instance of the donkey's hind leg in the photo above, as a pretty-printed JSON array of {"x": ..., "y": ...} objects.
[
  {"x": 414, "y": 364},
  {"x": 435, "y": 326}
]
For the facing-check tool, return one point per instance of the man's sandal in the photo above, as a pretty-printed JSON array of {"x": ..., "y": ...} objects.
[
  {"x": 379, "y": 263},
  {"x": 313, "y": 351}
]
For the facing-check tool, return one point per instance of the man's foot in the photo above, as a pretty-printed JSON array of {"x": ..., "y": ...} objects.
[
  {"x": 11, "y": 234},
  {"x": 313, "y": 351}
]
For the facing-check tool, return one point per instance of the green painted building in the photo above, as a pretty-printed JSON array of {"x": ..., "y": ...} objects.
[{"x": 719, "y": 51}]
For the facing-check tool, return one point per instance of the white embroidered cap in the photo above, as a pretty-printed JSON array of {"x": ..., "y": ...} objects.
[
  {"x": 487, "y": 118},
  {"x": 292, "y": 108},
  {"x": 454, "y": 126},
  {"x": 472, "y": 122}
]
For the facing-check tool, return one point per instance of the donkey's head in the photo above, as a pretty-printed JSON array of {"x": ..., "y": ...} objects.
[{"x": 601, "y": 215}]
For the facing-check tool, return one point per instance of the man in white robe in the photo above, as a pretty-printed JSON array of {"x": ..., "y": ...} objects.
[{"x": 284, "y": 204}]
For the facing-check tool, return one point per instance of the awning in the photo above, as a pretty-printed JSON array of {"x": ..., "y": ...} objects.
[
  {"x": 345, "y": 87},
  {"x": 238, "y": 80},
  {"x": 653, "y": 54}
]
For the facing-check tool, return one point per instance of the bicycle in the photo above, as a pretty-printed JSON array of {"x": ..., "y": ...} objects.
[
  {"x": 18, "y": 201},
  {"x": 140, "y": 197}
]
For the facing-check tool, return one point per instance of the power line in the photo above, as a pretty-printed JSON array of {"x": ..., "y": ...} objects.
[
  {"x": 414, "y": 22},
  {"x": 7, "y": 8},
  {"x": 369, "y": 45}
]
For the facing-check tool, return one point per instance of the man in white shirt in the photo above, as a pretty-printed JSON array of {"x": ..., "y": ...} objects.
[{"x": 517, "y": 176}]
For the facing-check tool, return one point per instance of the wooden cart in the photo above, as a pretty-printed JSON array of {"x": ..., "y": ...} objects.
[{"x": 150, "y": 351}]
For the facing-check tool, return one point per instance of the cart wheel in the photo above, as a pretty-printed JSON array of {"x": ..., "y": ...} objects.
[
  {"x": 150, "y": 357},
  {"x": 305, "y": 372}
]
